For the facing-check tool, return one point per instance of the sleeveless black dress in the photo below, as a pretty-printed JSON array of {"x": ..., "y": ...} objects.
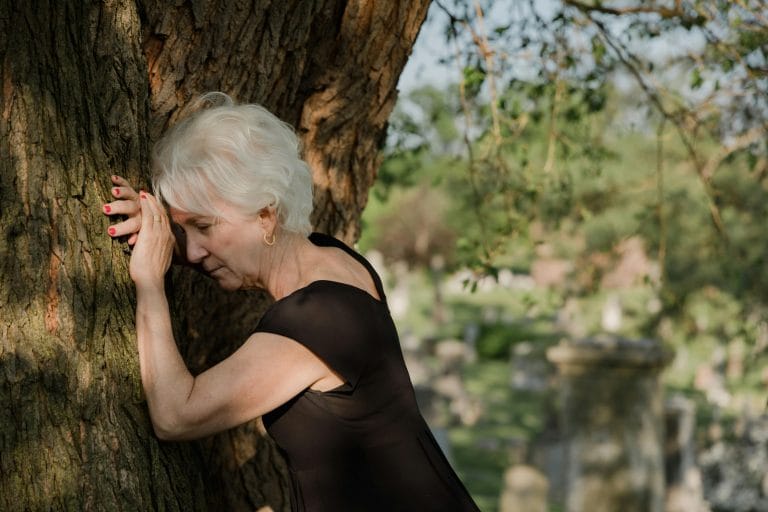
[{"x": 362, "y": 446}]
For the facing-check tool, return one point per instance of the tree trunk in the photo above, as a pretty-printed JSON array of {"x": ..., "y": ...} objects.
[{"x": 85, "y": 88}]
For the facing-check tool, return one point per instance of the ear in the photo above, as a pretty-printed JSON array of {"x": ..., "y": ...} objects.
[{"x": 267, "y": 218}]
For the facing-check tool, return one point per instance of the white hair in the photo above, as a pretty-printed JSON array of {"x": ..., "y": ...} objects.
[{"x": 240, "y": 154}]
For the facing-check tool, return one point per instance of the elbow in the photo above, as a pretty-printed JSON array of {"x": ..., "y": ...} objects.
[
  {"x": 170, "y": 428},
  {"x": 178, "y": 420},
  {"x": 165, "y": 434}
]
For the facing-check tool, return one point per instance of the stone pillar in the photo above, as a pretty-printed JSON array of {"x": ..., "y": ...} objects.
[
  {"x": 525, "y": 490},
  {"x": 684, "y": 490},
  {"x": 612, "y": 417}
]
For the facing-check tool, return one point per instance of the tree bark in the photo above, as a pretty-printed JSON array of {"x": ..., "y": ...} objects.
[{"x": 85, "y": 88}]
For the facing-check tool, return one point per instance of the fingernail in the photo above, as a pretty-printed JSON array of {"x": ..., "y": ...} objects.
[
  {"x": 114, "y": 176},
  {"x": 143, "y": 195},
  {"x": 116, "y": 191},
  {"x": 107, "y": 208},
  {"x": 111, "y": 231}
]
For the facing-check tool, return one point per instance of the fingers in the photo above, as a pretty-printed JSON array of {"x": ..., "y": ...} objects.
[
  {"x": 122, "y": 188},
  {"x": 146, "y": 211},
  {"x": 127, "y": 227},
  {"x": 153, "y": 214},
  {"x": 132, "y": 204},
  {"x": 152, "y": 254},
  {"x": 119, "y": 181},
  {"x": 121, "y": 208},
  {"x": 127, "y": 204}
]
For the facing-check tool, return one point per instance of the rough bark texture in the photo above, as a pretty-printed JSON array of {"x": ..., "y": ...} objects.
[
  {"x": 85, "y": 88},
  {"x": 328, "y": 67}
]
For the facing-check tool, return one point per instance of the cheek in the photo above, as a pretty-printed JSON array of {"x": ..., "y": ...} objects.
[{"x": 229, "y": 242}]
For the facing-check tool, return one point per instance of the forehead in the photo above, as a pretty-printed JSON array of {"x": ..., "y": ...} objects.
[
  {"x": 182, "y": 217},
  {"x": 220, "y": 211}
]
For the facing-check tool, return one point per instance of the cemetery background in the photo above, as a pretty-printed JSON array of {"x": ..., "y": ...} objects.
[
  {"x": 594, "y": 168},
  {"x": 615, "y": 237}
]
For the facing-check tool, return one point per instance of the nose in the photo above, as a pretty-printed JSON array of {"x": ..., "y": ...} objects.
[{"x": 195, "y": 251}]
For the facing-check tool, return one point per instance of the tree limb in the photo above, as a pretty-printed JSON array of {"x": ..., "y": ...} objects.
[
  {"x": 677, "y": 122},
  {"x": 664, "y": 12}
]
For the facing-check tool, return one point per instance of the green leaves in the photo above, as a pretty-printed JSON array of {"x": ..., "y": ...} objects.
[
  {"x": 696, "y": 79},
  {"x": 473, "y": 79},
  {"x": 534, "y": 138}
]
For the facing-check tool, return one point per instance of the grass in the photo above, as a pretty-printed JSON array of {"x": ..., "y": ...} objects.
[{"x": 510, "y": 419}]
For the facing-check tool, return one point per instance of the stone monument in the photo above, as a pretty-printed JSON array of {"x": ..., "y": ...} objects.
[{"x": 612, "y": 418}]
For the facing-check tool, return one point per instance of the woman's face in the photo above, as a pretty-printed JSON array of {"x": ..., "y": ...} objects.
[{"x": 226, "y": 247}]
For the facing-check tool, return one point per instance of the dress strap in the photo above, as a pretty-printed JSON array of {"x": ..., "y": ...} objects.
[{"x": 323, "y": 240}]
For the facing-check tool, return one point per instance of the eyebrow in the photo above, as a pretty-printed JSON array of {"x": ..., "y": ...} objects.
[{"x": 191, "y": 218}]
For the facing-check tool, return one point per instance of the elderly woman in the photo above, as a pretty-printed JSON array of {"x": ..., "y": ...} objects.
[{"x": 324, "y": 368}]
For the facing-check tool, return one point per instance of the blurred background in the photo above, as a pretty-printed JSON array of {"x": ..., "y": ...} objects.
[{"x": 570, "y": 223}]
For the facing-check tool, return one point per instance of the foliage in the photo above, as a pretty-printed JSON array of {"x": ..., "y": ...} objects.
[
  {"x": 572, "y": 128},
  {"x": 539, "y": 132},
  {"x": 543, "y": 71},
  {"x": 581, "y": 161},
  {"x": 412, "y": 228},
  {"x": 512, "y": 418}
]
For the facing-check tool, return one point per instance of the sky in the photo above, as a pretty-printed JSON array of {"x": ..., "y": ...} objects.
[{"x": 423, "y": 66}]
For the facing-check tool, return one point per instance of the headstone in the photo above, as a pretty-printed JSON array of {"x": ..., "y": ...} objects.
[
  {"x": 525, "y": 490},
  {"x": 684, "y": 492},
  {"x": 612, "y": 314},
  {"x": 530, "y": 371},
  {"x": 612, "y": 418}
]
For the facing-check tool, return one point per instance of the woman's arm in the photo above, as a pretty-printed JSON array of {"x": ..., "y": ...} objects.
[
  {"x": 264, "y": 373},
  {"x": 166, "y": 380}
]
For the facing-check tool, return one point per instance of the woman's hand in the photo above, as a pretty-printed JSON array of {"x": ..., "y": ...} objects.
[
  {"x": 153, "y": 250},
  {"x": 127, "y": 204}
]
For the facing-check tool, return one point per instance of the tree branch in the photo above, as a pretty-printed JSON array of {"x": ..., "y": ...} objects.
[
  {"x": 664, "y": 12},
  {"x": 677, "y": 122},
  {"x": 756, "y": 134}
]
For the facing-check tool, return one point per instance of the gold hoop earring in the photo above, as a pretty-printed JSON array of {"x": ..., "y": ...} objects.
[{"x": 268, "y": 241}]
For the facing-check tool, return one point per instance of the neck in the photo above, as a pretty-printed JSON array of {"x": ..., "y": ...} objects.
[{"x": 286, "y": 265}]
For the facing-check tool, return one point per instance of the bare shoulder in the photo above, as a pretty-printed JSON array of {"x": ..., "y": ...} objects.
[{"x": 337, "y": 265}]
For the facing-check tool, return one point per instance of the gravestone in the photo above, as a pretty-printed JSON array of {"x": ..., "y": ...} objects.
[
  {"x": 525, "y": 490},
  {"x": 612, "y": 418},
  {"x": 684, "y": 492}
]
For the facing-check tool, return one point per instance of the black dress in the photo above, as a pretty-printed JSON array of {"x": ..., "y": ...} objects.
[{"x": 362, "y": 446}]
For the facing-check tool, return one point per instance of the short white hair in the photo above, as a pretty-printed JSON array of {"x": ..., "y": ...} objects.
[{"x": 240, "y": 154}]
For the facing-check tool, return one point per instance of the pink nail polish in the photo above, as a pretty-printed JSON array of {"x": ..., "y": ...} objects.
[
  {"x": 107, "y": 208},
  {"x": 111, "y": 231},
  {"x": 116, "y": 191},
  {"x": 143, "y": 195}
]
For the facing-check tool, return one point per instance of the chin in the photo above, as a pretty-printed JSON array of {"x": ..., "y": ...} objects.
[
  {"x": 228, "y": 283},
  {"x": 229, "y": 286}
]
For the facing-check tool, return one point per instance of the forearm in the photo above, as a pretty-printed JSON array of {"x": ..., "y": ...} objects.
[{"x": 167, "y": 381}]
